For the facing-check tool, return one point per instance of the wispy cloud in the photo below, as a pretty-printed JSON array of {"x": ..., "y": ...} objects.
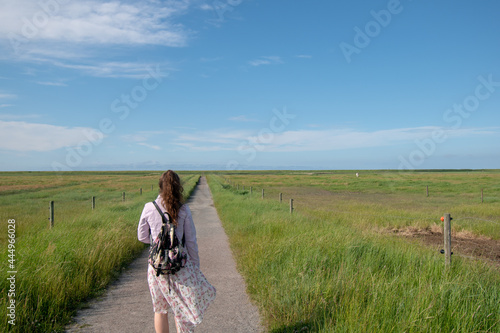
[
  {"x": 211, "y": 59},
  {"x": 51, "y": 83},
  {"x": 96, "y": 22},
  {"x": 23, "y": 136},
  {"x": 268, "y": 60},
  {"x": 141, "y": 138},
  {"x": 216, "y": 140},
  {"x": 130, "y": 70},
  {"x": 206, "y": 6},
  {"x": 335, "y": 139},
  {"x": 200, "y": 147},
  {"x": 242, "y": 118},
  {"x": 150, "y": 146},
  {"x": 6, "y": 116},
  {"x": 7, "y": 96},
  {"x": 304, "y": 56},
  {"x": 319, "y": 140},
  {"x": 5, "y": 105},
  {"x": 133, "y": 138},
  {"x": 76, "y": 34},
  {"x": 53, "y": 51}
]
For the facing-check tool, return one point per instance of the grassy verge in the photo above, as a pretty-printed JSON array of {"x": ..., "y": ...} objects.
[
  {"x": 326, "y": 275},
  {"x": 59, "y": 268}
]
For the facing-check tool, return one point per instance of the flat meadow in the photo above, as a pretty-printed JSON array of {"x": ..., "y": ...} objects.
[
  {"x": 358, "y": 254},
  {"x": 58, "y": 268}
]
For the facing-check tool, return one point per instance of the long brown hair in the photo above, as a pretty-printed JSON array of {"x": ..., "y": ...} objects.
[{"x": 171, "y": 192}]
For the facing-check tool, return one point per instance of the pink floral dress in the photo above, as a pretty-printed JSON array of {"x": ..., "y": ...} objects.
[{"x": 188, "y": 294}]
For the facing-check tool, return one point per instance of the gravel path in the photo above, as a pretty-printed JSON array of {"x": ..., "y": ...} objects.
[{"x": 127, "y": 307}]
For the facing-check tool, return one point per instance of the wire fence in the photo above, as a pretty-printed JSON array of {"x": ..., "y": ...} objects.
[
  {"x": 96, "y": 201},
  {"x": 237, "y": 187},
  {"x": 446, "y": 218}
]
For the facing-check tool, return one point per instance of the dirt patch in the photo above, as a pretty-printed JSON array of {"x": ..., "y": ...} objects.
[{"x": 463, "y": 243}]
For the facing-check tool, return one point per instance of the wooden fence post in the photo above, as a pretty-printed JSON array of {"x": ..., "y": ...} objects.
[
  {"x": 51, "y": 213},
  {"x": 250, "y": 189},
  {"x": 123, "y": 196},
  {"x": 447, "y": 239},
  {"x": 427, "y": 190},
  {"x": 481, "y": 195},
  {"x": 93, "y": 203},
  {"x": 140, "y": 191},
  {"x": 291, "y": 206},
  {"x": 281, "y": 197},
  {"x": 262, "y": 193}
]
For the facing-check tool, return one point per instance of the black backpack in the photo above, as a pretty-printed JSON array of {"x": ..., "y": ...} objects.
[{"x": 166, "y": 254}]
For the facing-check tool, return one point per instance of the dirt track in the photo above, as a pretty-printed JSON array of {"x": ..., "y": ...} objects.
[{"x": 126, "y": 306}]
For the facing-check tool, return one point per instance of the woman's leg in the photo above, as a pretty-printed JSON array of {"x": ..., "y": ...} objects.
[{"x": 161, "y": 322}]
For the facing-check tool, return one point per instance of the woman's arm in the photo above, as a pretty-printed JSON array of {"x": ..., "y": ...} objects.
[{"x": 143, "y": 229}]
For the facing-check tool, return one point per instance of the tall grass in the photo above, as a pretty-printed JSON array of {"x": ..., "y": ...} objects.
[
  {"x": 59, "y": 268},
  {"x": 389, "y": 199},
  {"x": 327, "y": 275}
]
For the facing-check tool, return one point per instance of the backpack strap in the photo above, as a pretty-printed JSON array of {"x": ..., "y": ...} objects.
[{"x": 166, "y": 221}]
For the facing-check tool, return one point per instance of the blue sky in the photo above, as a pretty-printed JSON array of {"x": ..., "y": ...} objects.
[{"x": 249, "y": 84}]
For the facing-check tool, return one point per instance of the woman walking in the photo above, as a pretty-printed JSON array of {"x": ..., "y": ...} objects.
[{"x": 187, "y": 293}]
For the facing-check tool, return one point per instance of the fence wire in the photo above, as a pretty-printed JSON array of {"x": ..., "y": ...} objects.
[{"x": 466, "y": 218}]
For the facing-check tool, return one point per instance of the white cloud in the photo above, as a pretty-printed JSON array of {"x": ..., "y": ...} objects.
[
  {"x": 75, "y": 34},
  {"x": 6, "y": 116},
  {"x": 269, "y": 60},
  {"x": 304, "y": 56},
  {"x": 7, "y": 96},
  {"x": 317, "y": 140},
  {"x": 335, "y": 139},
  {"x": 50, "y": 83},
  {"x": 206, "y": 7},
  {"x": 94, "y": 22},
  {"x": 5, "y": 105},
  {"x": 242, "y": 118},
  {"x": 142, "y": 137},
  {"x": 201, "y": 148},
  {"x": 133, "y": 138},
  {"x": 223, "y": 136},
  {"x": 50, "y": 51},
  {"x": 150, "y": 146},
  {"x": 23, "y": 136},
  {"x": 130, "y": 70},
  {"x": 211, "y": 59}
]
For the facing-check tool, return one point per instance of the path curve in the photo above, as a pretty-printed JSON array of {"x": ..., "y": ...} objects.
[{"x": 126, "y": 305}]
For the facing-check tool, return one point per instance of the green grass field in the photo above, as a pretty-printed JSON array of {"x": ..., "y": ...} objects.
[
  {"x": 58, "y": 268},
  {"x": 331, "y": 266},
  {"x": 328, "y": 267},
  {"x": 384, "y": 199}
]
